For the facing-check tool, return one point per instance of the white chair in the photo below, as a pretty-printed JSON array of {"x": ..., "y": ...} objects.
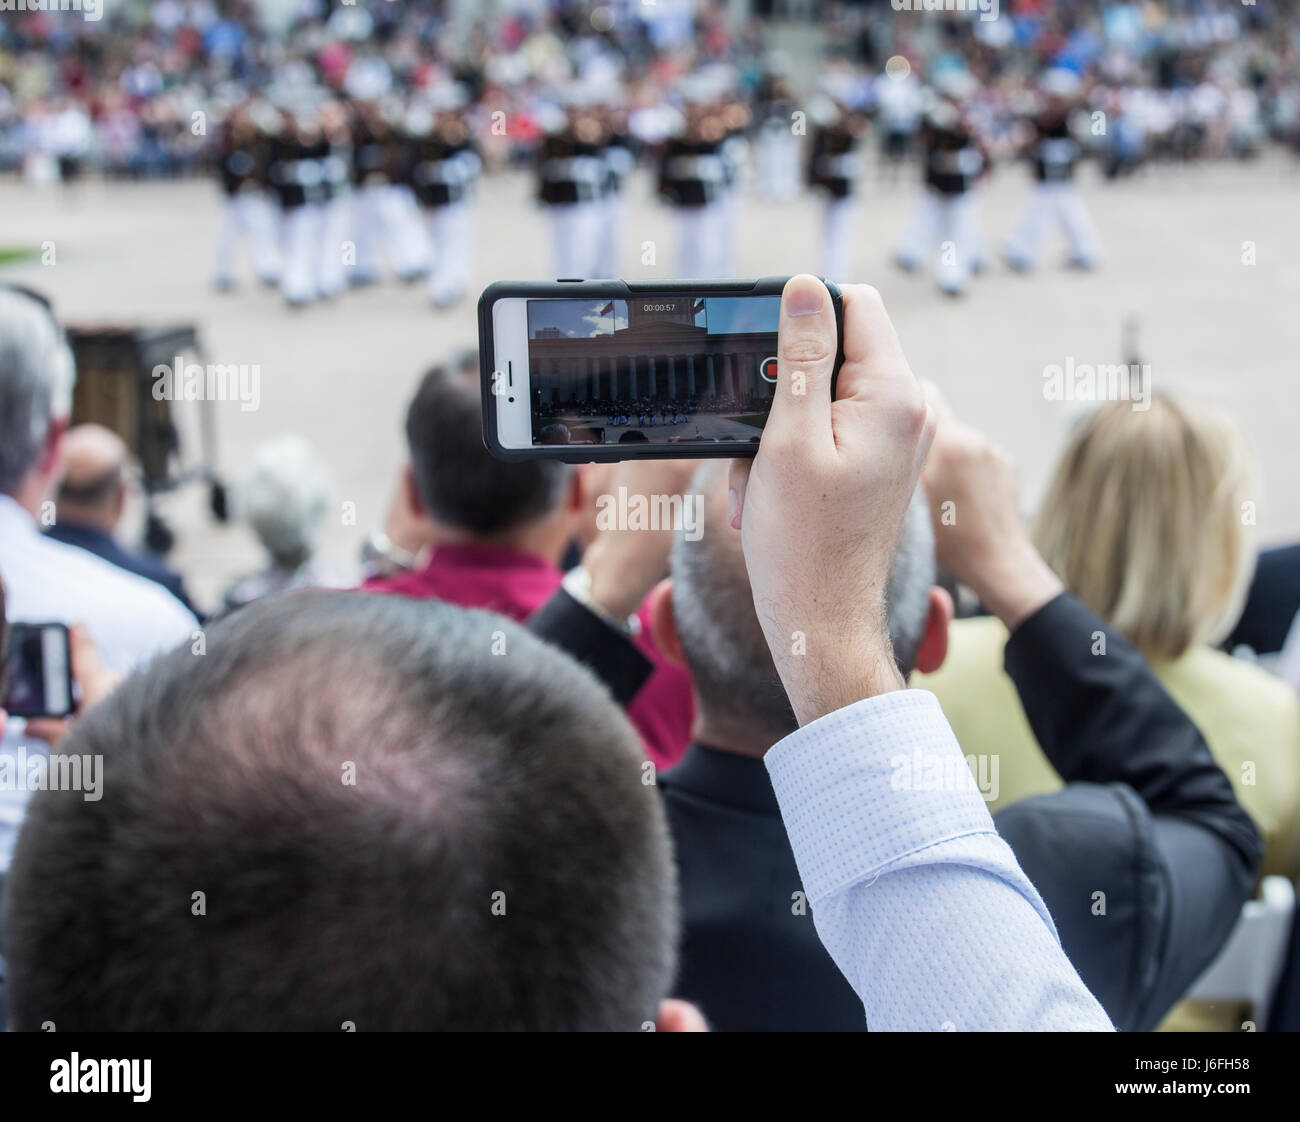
[{"x": 1251, "y": 962}]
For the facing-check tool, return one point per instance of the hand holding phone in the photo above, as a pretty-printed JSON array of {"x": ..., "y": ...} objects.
[
  {"x": 87, "y": 682},
  {"x": 820, "y": 507},
  {"x": 39, "y": 680},
  {"x": 617, "y": 370}
]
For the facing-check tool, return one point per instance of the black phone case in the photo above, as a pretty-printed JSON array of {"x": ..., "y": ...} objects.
[
  {"x": 16, "y": 630},
  {"x": 620, "y": 290}
]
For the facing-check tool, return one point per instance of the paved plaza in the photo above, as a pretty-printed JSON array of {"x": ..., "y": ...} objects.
[{"x": 1177, "y": 290}]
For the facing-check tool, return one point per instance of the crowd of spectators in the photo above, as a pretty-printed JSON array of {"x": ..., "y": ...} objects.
[{"x": 597, "y": 776}]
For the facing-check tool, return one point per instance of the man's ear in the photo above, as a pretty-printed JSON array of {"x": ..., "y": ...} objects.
[
  {"x": 48, "y": 464},
  {"x": 119, "y": 501},
  {"x": 934, "y": 643},
  {"x": 411, "y": 492},
  {"x": 663, "y": 623},
  {"x": 676, "y": 1015},
  {"x": 580, "y": 483}
]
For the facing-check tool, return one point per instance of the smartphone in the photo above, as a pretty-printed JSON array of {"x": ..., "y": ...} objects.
[
  {"x": 616, "y": 370},
  {"x": 39, "y": 682}
]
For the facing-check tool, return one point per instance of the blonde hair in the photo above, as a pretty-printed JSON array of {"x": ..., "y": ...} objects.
[{"x": 1144, "y": 521}]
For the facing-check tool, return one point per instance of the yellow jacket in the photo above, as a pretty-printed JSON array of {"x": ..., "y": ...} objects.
[{"x": 1250, "y": 720}]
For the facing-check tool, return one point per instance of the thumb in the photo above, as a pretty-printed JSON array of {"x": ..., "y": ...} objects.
[
  {"x": 52, "y": 730},
  {"x": 806, "y": 347},
  {"x": 737, "y": 481},
  {"x": 95, "y": 679}
]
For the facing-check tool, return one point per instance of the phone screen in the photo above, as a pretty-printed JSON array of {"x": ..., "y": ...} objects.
[
  {"x": 39, "y": 682},
  {"x": 655, "y": 369}
]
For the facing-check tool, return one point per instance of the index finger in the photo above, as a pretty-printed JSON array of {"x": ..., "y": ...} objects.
[{"x": 872, "y": 352}]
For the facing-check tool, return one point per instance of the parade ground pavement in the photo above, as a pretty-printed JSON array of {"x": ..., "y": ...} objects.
[{"x": 1200, "y": 280}]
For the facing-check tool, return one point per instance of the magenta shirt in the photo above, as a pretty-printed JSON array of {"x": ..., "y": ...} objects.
[{"x": 515, "y": 585}]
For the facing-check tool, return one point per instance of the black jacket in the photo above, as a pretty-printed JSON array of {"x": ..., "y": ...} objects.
[
  {"x": 1272, "y": 603},
  {"x": 1147, "y": 818},
  {"x": 692, "y": 173},
  {"x": 106, "y": 547},
  {"x": 832, "y": 163}
]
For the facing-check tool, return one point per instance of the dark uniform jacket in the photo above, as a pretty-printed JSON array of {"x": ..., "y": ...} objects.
[
  {"x": 692, "y": 172},
  {"x": 569, "y": 170},
  {"x": 833, "y": 161}
]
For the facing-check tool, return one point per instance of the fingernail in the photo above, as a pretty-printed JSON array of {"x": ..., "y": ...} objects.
[
  {"x": 804, "y": 299},
  {"x": 733, "y": 505}
]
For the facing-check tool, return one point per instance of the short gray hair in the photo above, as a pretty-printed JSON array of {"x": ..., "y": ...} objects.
[
  {"x": 36, "y": 373},
  {"x": 285, "y": 499},
  {"x": 734, "y": 675}
]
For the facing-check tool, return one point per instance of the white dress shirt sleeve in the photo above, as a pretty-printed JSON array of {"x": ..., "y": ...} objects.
[{"x": 917, "y": 899}]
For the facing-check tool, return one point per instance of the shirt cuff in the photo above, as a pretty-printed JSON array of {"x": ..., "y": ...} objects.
[{"x": 869, "y": 784}]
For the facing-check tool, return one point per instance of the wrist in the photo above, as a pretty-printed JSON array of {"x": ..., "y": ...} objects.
[
  {"x": 821, "y": 678},
  {"x": 581, "y": 584},
  {"x": 1015, "y": 583},
  {"x": 617, "y": 586}
]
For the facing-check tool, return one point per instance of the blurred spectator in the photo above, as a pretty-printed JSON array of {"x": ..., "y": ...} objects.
[
  {"x": 91, "y": 500},
  {"x": 1143, "y": 521},
  {"x": 750, "y": 956},
  {"x": 1272, "y": 603},
  {"x": 284, "y": 498},
  {"x": 129, "y": 619},
  {"x": 500, "y": 530},
  {"x": 225, "y": 772}
]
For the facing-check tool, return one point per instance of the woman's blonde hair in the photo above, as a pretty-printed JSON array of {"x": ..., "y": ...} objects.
[{"x": 1146, "y": 522}]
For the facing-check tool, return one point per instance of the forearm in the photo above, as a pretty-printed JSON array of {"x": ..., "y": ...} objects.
[
  {"x": 915, "y": 896},
  {"x": 1101, "y": 715},
  {"x": 987, "y": 961},
  {"x": 612, "y": 656}
]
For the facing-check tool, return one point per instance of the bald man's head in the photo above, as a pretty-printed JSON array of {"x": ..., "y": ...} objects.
[{"x": 92, "y": 491}]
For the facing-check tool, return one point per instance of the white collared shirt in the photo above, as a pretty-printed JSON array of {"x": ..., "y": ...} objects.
[
  {"x": 919, "y": 902},
  {"x": 130, "y": 619}
]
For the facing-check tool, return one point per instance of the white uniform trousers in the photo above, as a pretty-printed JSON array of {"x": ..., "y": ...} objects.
[
  {"x": 302, "y": 242},
  {"x": 575, "y": 238},
  {"x": 1053, "y": 204},
  {"x": 247, "y": 215},
  {"x": 950, "y": 223},
  {"x": 331, "y": 272},
  {"x": 450, "y": 232},
  {"x": 699, "y": 241},
  {"x": 839, "y": 229},
  {"x": 777, "y": 164},
  {"x": 612, "y": 215}
]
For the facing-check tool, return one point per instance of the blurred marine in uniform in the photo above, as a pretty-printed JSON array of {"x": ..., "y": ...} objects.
[
  {"x": 445, "y": 165},
  {"x": 692, "y": 179},
  {"x": 384, "y": 215},
  {"x": 954, "y": 160},
  {"x": 776, "y": 145},
  {"x": 335, "y": 221},
  {"x": 834, "y": 164},
  {"x": 616, "y": 148},
  {"x": 571, "y": 171},
  {"x": 898, "y": 101},
  {"x": 1054, "y": 154},
  {"x": 736, "y": 121},
  {"x": 243, "y": 163},
  {"x": 298, "y": 176}
]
